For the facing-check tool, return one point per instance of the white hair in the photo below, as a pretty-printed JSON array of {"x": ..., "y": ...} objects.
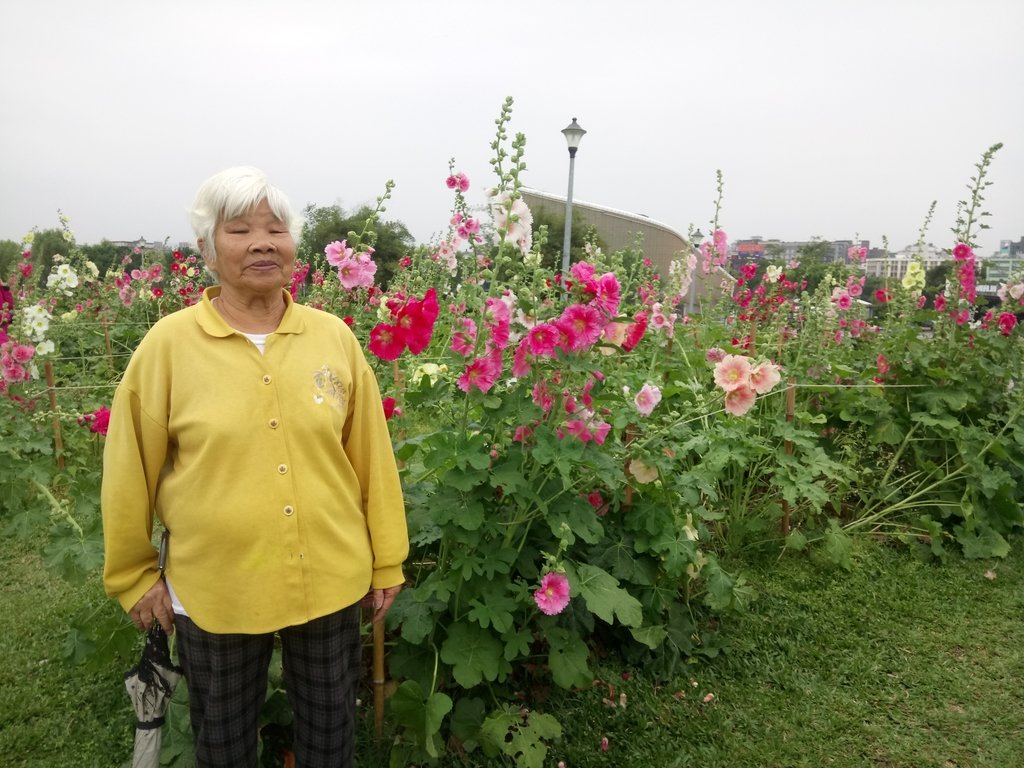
[{"x": 234, "y": 192}]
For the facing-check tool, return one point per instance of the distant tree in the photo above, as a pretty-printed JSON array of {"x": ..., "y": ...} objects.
[
  {"x": 551, "y": 251},
  {"x": 10, "y": 255},
  {"x": 325, "y": 224},
  {"x": 814, "y": 263},
  {"x": 46, "y": 245},
  {"x": 105, "y": 255},
  {"x": 936, "y": 277}
]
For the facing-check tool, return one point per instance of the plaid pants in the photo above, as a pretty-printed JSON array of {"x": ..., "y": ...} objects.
[{"x": 227, "y": 684}]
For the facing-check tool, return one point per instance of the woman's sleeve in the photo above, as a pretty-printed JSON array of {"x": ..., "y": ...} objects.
[
  {"x": 367, "y": 443},
  {"x": 133, "y": 458}
]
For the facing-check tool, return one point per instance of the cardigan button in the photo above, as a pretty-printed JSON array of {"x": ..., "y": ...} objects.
[
  {"x": 266, "y": 378},
  {"x": 273, "y": 423},
  {"x": 282, "y": 469},
  {"x": 289, "y": 510}
]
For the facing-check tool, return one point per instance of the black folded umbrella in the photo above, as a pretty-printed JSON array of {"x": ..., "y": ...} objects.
[{"x": 150, "y": 684}]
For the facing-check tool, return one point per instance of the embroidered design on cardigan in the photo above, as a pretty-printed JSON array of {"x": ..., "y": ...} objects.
[{"x": 327, "y": 386}]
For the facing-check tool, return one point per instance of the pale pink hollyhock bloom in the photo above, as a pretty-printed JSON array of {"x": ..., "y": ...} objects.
[
  {"x": 613, "y": 333},
  {"x": 553, "y": 594},
  {"x": 732, "y": 372},
  {"x": 22, "y": 353},
  {"x": 521, "y": 360},
  {"x": 740, "y": 400},
  {"x": 921, "y": 300},
  {"x": 843, "y": 300},
  {"x": 337, "y": 251},
  {"x": 643, "y": 473},
  {"x": 764, "y": 377},
  {"x": 464, "y": 341},
  {"x": 514, "y": 219},
  {"x": 646, "y": 399},
  {"x": 882, "y": 364}
]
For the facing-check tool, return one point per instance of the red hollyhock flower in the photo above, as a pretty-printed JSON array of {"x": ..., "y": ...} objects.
[
  {"x": 389, "y": 407},
  {"x": 417, "y": 318},
  {"x": 1007, "y": 322},
  {"x": 387, "y": 341},
  {"x": 882, "y": 296},
  {"x": 635, "y": 331}
]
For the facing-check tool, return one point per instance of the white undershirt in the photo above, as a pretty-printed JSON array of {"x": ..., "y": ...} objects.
[{"x": 260, "y": 340}]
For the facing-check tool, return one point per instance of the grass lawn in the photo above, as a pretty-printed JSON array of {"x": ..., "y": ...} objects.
[{"x": 897, "y": 664}]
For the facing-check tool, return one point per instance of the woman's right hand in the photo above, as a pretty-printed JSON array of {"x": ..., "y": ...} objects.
[{"x": 155, "y": 605}]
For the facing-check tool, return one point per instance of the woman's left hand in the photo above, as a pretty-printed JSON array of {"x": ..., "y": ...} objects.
[{"x": 380, "y": 600}]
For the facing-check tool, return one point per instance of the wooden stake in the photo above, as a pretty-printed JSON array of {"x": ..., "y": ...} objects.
[
  {"x": 58, "y": 440},
  {"x": 106, "y": 341},
  {"x": 378, "y": 677},
  {"x": 788, "y": 446}
]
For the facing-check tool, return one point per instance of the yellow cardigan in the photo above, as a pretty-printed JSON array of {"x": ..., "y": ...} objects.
[{"x": 274, "y": 473}]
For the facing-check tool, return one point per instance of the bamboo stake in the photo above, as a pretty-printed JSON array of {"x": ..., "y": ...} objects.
[
  {"x": 378, "y": 677},
  {"x": 58, "y": 440},
  {"x": 788, "y": 446}
]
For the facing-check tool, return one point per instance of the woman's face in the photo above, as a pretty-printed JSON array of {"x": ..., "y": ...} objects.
[{"x": 255, "y": 252}]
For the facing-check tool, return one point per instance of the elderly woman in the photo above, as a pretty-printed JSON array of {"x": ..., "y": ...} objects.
[{"x": 252, "y": 427}]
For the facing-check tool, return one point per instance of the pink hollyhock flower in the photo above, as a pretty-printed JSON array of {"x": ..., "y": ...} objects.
[
  {"x": 337, "y": 251},
  {"x": 542, "y": 396},
  {"x": 940, "y": 302},
  {"x": 962, "y": 251},
  {"x": 604, "y": 743},
  {"x": 595, "y": 499},
  {"x": 386, "y": 341},
  {"x": 522, "y": 434},
  {"x": 882, "y": 296},
  {"x": 416, "y": 318},
  {"x": 1007, "y": 322},
  {"x": 496, "y": 315},
  {"x": 582, "y": 326},
  {"x": 882, "y": 364},
  {"x": 961, "y": 317},
  {"x": 608, "y": 294},
  {"x": 481, "y": 373},
  {"x": 732, "y": 372},
  {"x": 582, "y": 272},
  {"x": 464, "y": 341},
  {"x": 764, "y": 377},
  {"x": 715, "y": 355},
  {"x": 921, "y": 301},
  {"x": 521, "y": 360},
  {"x": 646, "y": 399},
  {"x": 22, "y": 353},
  {"x": 740, "y": 400},
  {"x": 553, "y": 595},
  {"x": 543, "y": 338},
  {"x": 843, "y": 300}
]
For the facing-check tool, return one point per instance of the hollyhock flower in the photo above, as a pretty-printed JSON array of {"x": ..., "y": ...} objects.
[
  {"x": 608, "y": 294},
  {"x": 642, "y": 472},
  {"x": 582, "y": 325},
  {"x": 542, "y": 396},
  {"x": 715, "y": 355},
  {"x": 522, "y": 434},
  {"x": 583, "y": 274},
  {"x": 662, "y": 321},
  {"x": 417, "y": 318},
  {"x": 389, "y": 407},
  {"x": 553, "y": 595},
  {"x": 921, "y": 301},
  {"x": 962, "y": 252},
  {"x": 357, "y": 271},
  {"x": 464, "y": 341},
  {"x": 1007, "y": 322},
  {"x": 856, "y": 253},
  {"x": 481, "y": 373},
  {"x": 635, "y": 331},
  {"x": 732, "y": 372},
  {"x": 496, "y": 315},
  {"x": 98, "y": 421},
  {"x": 940, "y": 302},
  {"x": 513, "y": 218},
  {"x": 882, "y": 364},
  {"x": 337, "y": 252},
  {"x": 646, "y": 399},
  {"x": 386, "y": 341},
  {"x": 882, "y": 296},
  {"x": 764, "y": 377},
  {"x": 961, "y": 317},
  {"x": 843, "y": 300},
  {"x": 914, "y": 278},
  {"x": 740, "y": 400},
  {"x": 543, "y": 338},
  {"x": 22, "y": 353},
  {"x": 595, "y": 499},
  {"x": 521, "y": 360},
  {"x": 749, "y": 271},
  {"x": 854, "y": 287}
]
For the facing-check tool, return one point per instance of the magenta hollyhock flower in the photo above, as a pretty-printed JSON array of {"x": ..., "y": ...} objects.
[
  {"x": 843, "y": 300},
  {"x": 635, "y": 331},
  {"x": 542, "y": 396},
  {"x": 553, "y": 594},
  {"x": 521, "y": 360},
  {"x": 608, "y": 294},
  {"x": 740, "y": 400},
  {"x": 582, "y": 272},
  {"x": 543, "y": 338},
  {"x": 764, "y": 377},
  {"x": 481, "y": 373},
  {"x": 98, "y": 421},
  {"x": 940, "y": 302},
  {"x": 582, "y": 325},
  {"x": 882, "y": 364},
  {"x": 962, "y": 251},
  {"x": 386, "y": 341},
  {"x": 732, "y": 372},
  {"x": 416, "y": 318},
  {"x": 1007, "y": 322},
  {"x": 882, "y": 296},
  {"x": 646, "y": 399},
  {"x": 389, "y": 407}
]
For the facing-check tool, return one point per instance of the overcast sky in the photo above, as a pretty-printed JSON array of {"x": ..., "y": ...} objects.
[{"x": 831, "y": 118}]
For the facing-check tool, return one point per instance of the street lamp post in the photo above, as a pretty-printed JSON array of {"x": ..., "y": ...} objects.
[
  {"x": 573, "y": 134},
  {"x": 695, "y": 240}
]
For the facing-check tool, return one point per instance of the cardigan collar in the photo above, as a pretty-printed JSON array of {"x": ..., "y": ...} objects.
[{"x": 210, "y": 320}]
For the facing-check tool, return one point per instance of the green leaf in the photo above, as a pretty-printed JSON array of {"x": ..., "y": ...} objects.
[
  {"x": 473, "y": 652},
  {"x": 981, "y": 543},
  {"x": 651, "y": 636},
  {"x": 421, "y": 716},
  {"x": 796, "y": 541},
  {"x": 504, "y": 731},
  {"x": 603, "y": 595},
  {"x": 567, "y": 658},
  {"x": 517, "y": 644},
  {"x": 838, "y": 546}
]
